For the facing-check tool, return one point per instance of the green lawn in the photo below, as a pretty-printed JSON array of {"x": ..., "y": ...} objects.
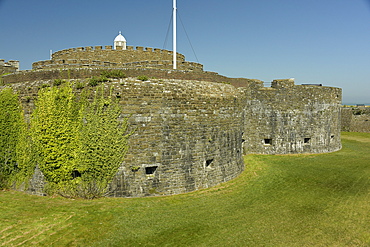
[{"x": 292, "y": 200}]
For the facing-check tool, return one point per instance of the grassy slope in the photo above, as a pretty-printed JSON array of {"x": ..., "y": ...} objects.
[{"x": 296, "y": 200}]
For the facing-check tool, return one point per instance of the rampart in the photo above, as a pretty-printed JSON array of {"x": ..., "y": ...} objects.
[
  {"x": 97, "y": 57},
  {"x": 356, "y": 119},
  {"x": 192, "y": 134},
  {"x": 84, "y": 63},
  {"x": 287, "y": 118},
  {"x": 188, "y": 134},
  {"x": 131, "y": 54},
  {"x": 191, "y": 126},
  {"x": 73, "y": 73},
  {"x": 8, "y": 67}
]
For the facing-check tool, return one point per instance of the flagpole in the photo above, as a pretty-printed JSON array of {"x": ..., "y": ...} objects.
[{"x": 174, "y": 36}]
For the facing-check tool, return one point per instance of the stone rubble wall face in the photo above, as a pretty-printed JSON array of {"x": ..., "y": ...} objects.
[
  {"x": 75, "y": 64},
  {"x": 356, "y": 119},
  {"x": 293, "y": 119},
  {"x": 196, "y": 132},
  {"x": 115, "y": 56},
  {"x": 28, "y": 76},
  {"x": 180, "y": 126},
  {"x": 97, "y": 57},
  {"x": 8, "y": 67},
  {"x": 191, "y": 130}
]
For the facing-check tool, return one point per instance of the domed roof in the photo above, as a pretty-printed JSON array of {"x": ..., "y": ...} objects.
[{"x": 120, "y": 38}]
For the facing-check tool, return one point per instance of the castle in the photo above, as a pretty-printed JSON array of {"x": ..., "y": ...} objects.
[
  {"x": 8, "y": 67},
  {"x": 192, "y": 127}
]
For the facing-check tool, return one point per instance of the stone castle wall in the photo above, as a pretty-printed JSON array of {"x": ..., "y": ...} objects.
[
  {"x": 191, "y": 126},
  {"x": 192, "y": 134},
  {"x": 84, "y": 63},
  {"x": 8, "y": 67},
  {"x": 97, "y": 57},
  {"x": 356, "y": 119},
  {"x": 287, "y": 118},
  {"x": 23, "y": 76},
  {"x": 188, "y": 134},
  {"x": 92, "y": 53}
]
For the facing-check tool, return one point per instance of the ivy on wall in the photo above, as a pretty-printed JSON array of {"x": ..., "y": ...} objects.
[
  {"x": 11, "y": 123},
  {"x": 55, "y": 129},
  {"x": 77, "y": 142},
  {"x": 103, "y": 137}
]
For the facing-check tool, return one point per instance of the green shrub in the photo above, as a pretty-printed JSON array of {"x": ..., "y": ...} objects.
[
  {"x": 58, "y": 82},
  {"x": 94, "y": 81},
  {"x": 142, "y": 78},
  {"x": 113, "y": 74},
  {"x": 28, "y": 99},
  {"x": 44, "y": 86},
  {"x": 358, "y": 112},
  {"x": 79, "y": 85}
]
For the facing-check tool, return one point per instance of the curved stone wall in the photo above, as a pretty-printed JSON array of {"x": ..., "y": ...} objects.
[
  {"x": 189, "y": 132},
  {"x": 87, "y": 72},
  {"x": 8, "y": 67},
  {"x": 192, "y": 134},
  {"x": 356, "y": 119},
  {"x": 288, "y": 118},
  {"x": 97, "y": 57},
  {"x": 92, "y": 53},
  {"x": 85, "y": 63}
]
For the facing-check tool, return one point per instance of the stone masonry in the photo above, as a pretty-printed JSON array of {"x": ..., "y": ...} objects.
[
  {"x": 97, "y": 57},
  {"x": 192, "y": 127},
  {"x": 8, "y": 67},
  {"x": 287, "y": 118},
  {"x": 356, "y": 119}
]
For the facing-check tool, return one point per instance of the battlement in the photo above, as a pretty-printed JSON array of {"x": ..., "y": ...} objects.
[
  {"x": 85, "y": 63},
  {"x": 66, "y": 52},
  {"x": 101, "y": 57},
  {"x": 8, "y": 67}
]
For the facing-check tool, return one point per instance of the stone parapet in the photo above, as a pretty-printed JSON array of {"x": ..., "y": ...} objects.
[
  {"x": 81, "y": 63},
  {"x": 8, "y": 67},
  {"x": 355, "y": 119},
  {"x": 131, "y": 54},
  {"x": 288, "y": 118}
]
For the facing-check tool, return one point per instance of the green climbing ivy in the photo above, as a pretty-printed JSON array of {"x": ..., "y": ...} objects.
[
  {"x": 80, "y": 142},
  {"x": 55, "y": 127},
  {"x": 103, "y": 137},
  {"x": 77, "y": 142},
  {"x": 11, "y": 124}
]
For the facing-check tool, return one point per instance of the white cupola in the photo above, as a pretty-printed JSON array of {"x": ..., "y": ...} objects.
[{"x": 120, "y": 41}]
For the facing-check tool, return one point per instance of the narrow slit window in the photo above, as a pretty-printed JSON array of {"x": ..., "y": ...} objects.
[
  {"x": 307, "y": 140},
  {"x": 150, "y": 169},
  {"x": 267, "y": 141},
  {"x": 208, "y": 162}
]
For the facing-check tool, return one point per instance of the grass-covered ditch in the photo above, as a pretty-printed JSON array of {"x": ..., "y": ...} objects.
[{"x": 290, "y": 200}]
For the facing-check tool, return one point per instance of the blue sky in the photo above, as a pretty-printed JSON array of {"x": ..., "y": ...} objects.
[{"x": 313, "y": 41}]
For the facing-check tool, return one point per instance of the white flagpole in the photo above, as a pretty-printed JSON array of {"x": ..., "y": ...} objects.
[{"x": 174, "y": 36}]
